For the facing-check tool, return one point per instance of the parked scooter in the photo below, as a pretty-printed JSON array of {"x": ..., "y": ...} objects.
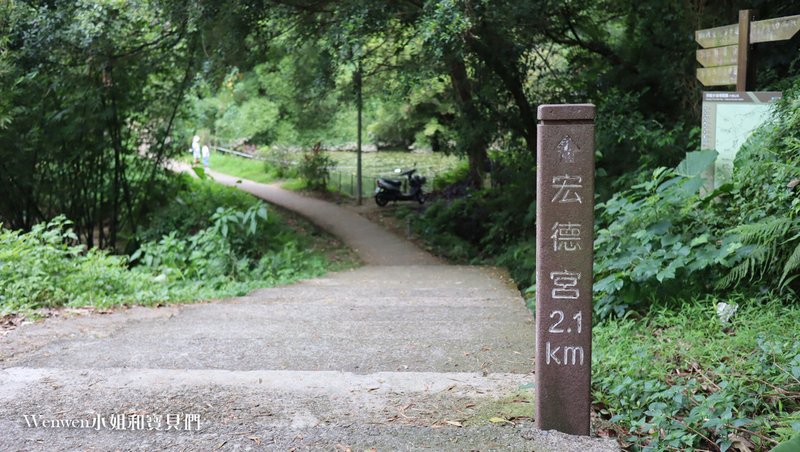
[{"x": 390, "y": 189}]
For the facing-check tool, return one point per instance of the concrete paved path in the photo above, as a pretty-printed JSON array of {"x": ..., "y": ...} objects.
[
  {"x": 374, "y": 245},
  {"x": 404, "y": 353}
]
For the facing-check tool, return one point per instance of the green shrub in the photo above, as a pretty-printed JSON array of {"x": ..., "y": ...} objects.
[
  {"x": 459, "y": 173},
  {"x": 41, "y": 269},
  {"x": 191, "y": 204},
  {"x": 764, "y": 201},
  {"x": 658, "y": 240},
  {"x": 216, "y": 253},
  {"x": 662, "y": 238},
  {"x": 492, "y": 225},
  {"x": 314, "y": 168},
  {"x": 230, "y": 251}
]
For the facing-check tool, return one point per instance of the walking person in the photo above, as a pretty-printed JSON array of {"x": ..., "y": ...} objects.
[
  {"x": 196, "y": 151},
  {"x": 206, "y": 153}
]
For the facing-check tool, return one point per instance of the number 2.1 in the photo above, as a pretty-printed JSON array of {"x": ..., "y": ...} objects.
[
  {"x": 560, "y": 314},
  {"x": 554, "y": 327}
]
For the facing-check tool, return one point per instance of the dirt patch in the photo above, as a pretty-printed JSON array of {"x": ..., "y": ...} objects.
[{"x": 13, "y": 321}]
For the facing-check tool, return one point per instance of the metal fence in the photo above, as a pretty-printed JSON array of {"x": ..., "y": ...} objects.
[
  {"x": 237, "y": 153},
  {"x": 345, "y": 180}
]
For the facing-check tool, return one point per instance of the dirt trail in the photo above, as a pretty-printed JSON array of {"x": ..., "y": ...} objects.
[{"x": 405, "y": 353}]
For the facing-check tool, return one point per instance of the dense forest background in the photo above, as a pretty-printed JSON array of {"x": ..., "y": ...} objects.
[{"x": 97, "y": 94}]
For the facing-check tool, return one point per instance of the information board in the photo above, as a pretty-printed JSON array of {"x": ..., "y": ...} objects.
[{"x": 729, "y": 118}]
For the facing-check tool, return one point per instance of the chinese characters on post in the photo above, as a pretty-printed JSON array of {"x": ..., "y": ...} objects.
[{"x": 564, "y": 219}]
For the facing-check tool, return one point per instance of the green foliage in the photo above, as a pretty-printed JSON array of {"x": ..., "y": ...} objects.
[
  {"x": 679, "y": 379},
  {"x": 494, "y": 225},
  {"x": 252, "y": 120},
  {"x": 656, "y": 242},
  {"x": 455, "y": 175},
  {"x": 195, "y": 249},
  {"x": 8, "y": 70},
  {"x": 314, "y": 168},
  {"x": 191, "y": 205},
  {"x": 237, "y": 113},
  {"x": 626, "y": 140},
  {"x": 93, "y": 84},
  {"x": 213, "y": 255},
  {"x": 789, "y": 445},
  {"x": 448, "y": 227},
  {"x": 764, "y": 241},
  {"x": 251, "y": 169},
  {"x": 411, "y": 110},
  {"x": 662, "y": 239},
  {"x": 764, "y": 191},
  {"x": 287, "y": 98},
  {"x": 41, "y": 268}
]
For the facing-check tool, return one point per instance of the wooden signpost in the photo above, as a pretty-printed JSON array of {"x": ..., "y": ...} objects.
[
  {"x": 725, "y": 50},
  {"x": 564, "y": 227}
]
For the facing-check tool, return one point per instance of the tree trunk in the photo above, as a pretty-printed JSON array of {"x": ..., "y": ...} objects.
[
  {"x": 474, "y": 138},
  {"x": 509, "y": 74}
]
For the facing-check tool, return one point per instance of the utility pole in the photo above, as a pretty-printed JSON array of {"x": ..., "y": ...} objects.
[{"x": 359, "y": 106}]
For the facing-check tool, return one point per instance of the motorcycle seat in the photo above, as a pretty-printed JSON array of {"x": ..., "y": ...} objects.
[{"x": 393, "y": 182}]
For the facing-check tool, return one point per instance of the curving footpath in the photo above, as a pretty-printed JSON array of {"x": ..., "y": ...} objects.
[
  {"x": 372, "y": 243},
  {"x": 404, "y": 353}
]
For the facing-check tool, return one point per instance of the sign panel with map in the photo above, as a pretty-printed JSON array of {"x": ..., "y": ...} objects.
[{"x": 728, "y": 120}]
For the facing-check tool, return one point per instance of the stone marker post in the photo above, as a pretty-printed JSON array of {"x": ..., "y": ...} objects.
[{"x": 564, "y": 236}]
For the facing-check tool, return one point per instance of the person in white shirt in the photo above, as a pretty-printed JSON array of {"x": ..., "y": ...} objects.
[{"x": 196, "y": 151}]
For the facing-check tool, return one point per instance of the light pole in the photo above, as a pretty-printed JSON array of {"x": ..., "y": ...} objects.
[{"x": 359, "y": 107}]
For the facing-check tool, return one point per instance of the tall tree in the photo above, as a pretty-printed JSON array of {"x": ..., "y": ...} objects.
[{"x": 98, "y": 83}]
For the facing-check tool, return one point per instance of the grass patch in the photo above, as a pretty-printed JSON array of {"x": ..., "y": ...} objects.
[
  {"x": 255, "y": 170},
  {"x": 680, "y": 379},
  {"x": 373, "y": 164},
  {"x": 295, "y": 185}
]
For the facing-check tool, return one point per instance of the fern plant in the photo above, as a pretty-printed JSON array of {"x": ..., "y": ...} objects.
[
  {"x": 791, "y": 265},
  {"x": 764, "y": 243},
  {"x": 767, "y": 206}
]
